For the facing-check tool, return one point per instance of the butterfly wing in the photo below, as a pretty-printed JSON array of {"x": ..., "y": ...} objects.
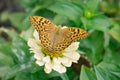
[
  {"x": 42, "y": 24},
  {"x": 69, "y": 35},
  {"x": 55, "y": 38},
  {"x": 45, "y": 28}
]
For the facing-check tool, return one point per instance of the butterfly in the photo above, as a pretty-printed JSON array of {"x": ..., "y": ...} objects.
[{"x": 56, "y": 38}]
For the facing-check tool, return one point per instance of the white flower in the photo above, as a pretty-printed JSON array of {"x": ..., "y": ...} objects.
[{"x": 58, "y": 64}]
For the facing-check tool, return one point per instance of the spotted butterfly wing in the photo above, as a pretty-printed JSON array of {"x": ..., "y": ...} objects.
[
  {"x": 68, "y": 36},
  {"x": 45, "y": 28},
  {"x": 55, "y": 38}
]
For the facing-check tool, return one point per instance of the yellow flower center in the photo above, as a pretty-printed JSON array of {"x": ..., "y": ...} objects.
[{"x": 52, "y": 53}]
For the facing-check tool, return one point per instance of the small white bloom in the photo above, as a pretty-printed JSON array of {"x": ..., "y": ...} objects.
[{"x": 58, "y": 64}]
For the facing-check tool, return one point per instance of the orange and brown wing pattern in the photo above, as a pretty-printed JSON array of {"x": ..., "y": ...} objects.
[
  {"x": 41, "y": 24},
  {"x": 70, "y": 35},
  {"x": 55, "y": 38},
  {"x": 44, "y": 27}
]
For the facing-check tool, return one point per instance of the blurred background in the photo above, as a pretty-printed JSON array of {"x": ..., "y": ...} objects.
[{"x": 100, "y": 51}]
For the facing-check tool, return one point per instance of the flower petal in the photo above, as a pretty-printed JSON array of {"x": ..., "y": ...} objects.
[
  {"x": 40, "y": 63},
  {"x": 48, "y": 67},
  {"x": 73, "y": 47},
  {"x": 66, "y": 61},
  {"x": 46, "y": 59},
  {"x": 59, "y": 68},
  {"x": 36, "y": 35},
  {"x": 73, "y": 56},
  {"x": 38, "y": 56},
  {"x": 32, "y": 43},
  {"x": 62, "y": 69},
  {"x": 56, "y": 60}
]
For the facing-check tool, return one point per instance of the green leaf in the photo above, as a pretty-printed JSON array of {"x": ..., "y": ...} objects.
[
  {"x": 27, "y": 3},
  {"x": 4, "y": 16},
  {"x": 20, "y": 49},
  {"x": 100, "y": 23},
  {"x": 4, "y": 59},
  {"x": 107, "y": 71},
  {"x": 54, "y": 74},
  {"x": 72, "y": 11},
  {"x": 92, "y": 5},
  {"x": 28, "y": 33},
  {"x": 71, "y": 73},
  {"x": 19, "y": 21},
  {"x": 101, "y": 75},
  {"x": 109, "y": 66},
  {"x": 10, "y": 33},
  {"x": 24, "y": 76},
  {"x": 112, "y": 52},
  {"x": 28, "y": 67},
  {"x": 87, "y": 74},
  {"x": 115, "y": 31},
  {"x": 16, "y": 69},
  {"x": 107, "y": 40},
  {"x": 112, "y": 56},
  {"x": 6, "y": 55},
  {"x": 34, "y": 67},
  {"x": 2, "y": 40},
  {"x": 19, "y": 46},
  {"x": 64, "y": 76},
  {"x": 3, "y": 70},
  {"x": 60, "y": 19},
  {"x": 92, "y": 48}
]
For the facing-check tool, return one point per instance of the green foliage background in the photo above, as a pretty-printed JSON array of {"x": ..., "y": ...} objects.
[{"x": 101, "y": 18}]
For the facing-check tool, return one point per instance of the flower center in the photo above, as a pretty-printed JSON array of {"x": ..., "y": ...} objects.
[{"x": 52, "y": 53}]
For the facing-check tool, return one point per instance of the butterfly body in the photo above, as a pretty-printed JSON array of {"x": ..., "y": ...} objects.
[{"x": 56, "y": 38}]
